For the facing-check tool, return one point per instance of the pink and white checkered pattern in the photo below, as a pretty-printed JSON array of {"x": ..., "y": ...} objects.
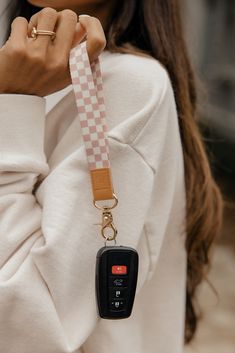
[{"x": 88, "y": 90}]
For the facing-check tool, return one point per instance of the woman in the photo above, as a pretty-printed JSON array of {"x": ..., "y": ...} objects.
[{"x": 170, "y": 213}]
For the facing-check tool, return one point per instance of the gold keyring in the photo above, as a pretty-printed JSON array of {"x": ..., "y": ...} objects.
[
  {"x": 35, "y": 32},
  {"x": 107, "y": 207}
]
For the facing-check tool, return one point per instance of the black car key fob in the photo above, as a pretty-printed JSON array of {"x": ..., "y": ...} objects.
[{"x": 116, "y": 279}]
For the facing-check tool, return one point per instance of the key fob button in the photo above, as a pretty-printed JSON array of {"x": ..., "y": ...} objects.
[
  {"x": 117, "y": 293},
  {"x": 119, "y": 270},
  {"x": 117, "y": 305},
  {"x": 117, "y": 281}
]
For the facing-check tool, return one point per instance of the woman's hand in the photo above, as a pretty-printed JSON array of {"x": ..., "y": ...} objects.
[{"x": 41, "y": 66}]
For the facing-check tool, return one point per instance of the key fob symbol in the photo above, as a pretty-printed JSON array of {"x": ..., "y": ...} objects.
[{"x": 116, "y": 280}]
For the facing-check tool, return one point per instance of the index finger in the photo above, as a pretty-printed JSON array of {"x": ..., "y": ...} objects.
[{"x": 19, "y": 28}]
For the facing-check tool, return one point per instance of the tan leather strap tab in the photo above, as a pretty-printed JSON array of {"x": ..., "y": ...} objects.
[{"x": 102, "y": 186}]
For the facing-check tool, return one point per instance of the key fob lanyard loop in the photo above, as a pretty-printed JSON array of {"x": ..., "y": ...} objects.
[
  {"x": 88, "y": 90},
  {"x": 116, "y": 266}
]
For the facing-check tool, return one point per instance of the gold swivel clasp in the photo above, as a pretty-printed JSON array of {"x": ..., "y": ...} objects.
[{"x": 107, "y": 220}]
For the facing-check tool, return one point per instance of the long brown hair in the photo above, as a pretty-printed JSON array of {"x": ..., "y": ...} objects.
[{"x": 154, "y": 27}]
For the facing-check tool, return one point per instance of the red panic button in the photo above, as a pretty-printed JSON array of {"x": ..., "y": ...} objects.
[{"x": 119, "y": 270}]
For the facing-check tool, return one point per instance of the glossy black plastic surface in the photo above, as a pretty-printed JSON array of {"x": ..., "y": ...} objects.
[{"x": 115, "y": 293}]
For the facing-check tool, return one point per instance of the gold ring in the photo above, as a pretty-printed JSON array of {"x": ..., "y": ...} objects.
[{"x": 35, "y": 32}]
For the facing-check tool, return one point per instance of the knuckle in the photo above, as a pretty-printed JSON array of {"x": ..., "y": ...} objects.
[
  {"x": 95, "y": 19},
  {"x": 48, "y": 12},
  {"x": 69, "y": 15},
  {"x": 16, "y": 51},
  {"x": 60, "y": 65},
  {"x": 37, "y": 59},
  {"x": 17, "y": 20},
  {"x": 97, "y": 22},
  {"x": 98, "y": 41},
  {"x": 32, "y": 19}
]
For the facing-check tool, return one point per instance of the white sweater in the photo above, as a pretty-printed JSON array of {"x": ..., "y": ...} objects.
[{"x": 48, "y": 240}]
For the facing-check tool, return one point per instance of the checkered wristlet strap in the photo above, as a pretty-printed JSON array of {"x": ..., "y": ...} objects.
[{"x": 88, "y": 90}]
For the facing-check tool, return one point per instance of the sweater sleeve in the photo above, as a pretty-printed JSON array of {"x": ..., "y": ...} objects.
[
  {"x": 22, "y": 160},
  {"x": 24, "y": 301}
]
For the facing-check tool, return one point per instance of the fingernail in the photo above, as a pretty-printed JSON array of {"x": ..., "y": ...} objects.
[{"x": 84, "y": 16}]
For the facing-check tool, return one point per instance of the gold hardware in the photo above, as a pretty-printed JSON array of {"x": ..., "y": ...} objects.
[
  {"x": 107, "y": 220},
  {"x": 106, "y": 207},
  {"x": 35, "y": 32}
]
